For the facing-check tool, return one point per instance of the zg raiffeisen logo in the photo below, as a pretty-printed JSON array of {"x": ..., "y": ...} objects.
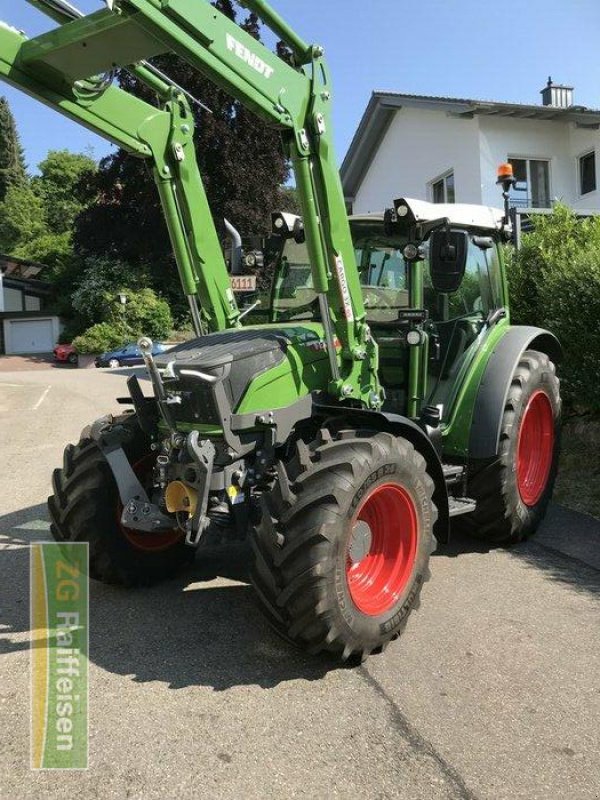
[{"x": 59, "y": 655}]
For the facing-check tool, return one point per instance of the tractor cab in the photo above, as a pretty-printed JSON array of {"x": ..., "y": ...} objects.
[{"x": 409, "y": 288}]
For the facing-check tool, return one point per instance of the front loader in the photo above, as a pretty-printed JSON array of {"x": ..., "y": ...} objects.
[{"x": 388, "y": 394}]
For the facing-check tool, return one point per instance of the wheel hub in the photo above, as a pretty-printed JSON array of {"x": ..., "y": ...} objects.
[{"x": 360, "y": 541}]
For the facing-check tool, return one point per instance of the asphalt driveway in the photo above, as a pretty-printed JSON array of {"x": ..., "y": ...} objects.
[{"x": 493, "y": 692}]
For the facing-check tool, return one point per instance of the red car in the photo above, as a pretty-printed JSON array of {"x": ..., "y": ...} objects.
[{"x": 65, "y": 354}]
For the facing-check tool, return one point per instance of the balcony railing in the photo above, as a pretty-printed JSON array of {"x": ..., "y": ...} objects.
[{"x": 528, "y": 202}]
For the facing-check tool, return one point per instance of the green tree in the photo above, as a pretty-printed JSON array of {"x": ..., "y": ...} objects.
[
  {"x": 54, "y": 250},
  {"x": 98, "y": 285},
  {"x": 62, "y": 187},
  {"x": 144, "y": 313},
  {"x": 12, "y": 160},
  {"x": 22, "y": 217}
]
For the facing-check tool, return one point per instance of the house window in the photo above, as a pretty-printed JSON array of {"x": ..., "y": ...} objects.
[
  {"x": 442, "y": 190},
  {"x": 587, "y": 173},
  {"x": 532, "y": 189}
]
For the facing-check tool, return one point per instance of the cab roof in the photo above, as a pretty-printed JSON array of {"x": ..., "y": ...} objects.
[{"x": 461, "y": 215}]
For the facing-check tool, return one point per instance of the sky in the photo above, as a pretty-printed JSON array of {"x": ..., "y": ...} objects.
[{"x": 458, "y": 48}]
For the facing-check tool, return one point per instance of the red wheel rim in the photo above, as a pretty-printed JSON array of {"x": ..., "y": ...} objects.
[
  {"x": 382, "y": 549},
  {"x": 535, "y": 448},
  {"x": 148, "y": 542}
]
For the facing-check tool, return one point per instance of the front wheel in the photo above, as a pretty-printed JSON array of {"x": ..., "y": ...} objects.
[
  {"x": 513, "y": 490},
  {"x": 113, "y": 363},
  {"x": 343, "y": 547},
  {"x": 86, "y": 507}
]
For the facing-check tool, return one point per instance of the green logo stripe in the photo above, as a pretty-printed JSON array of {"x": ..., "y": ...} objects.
[{"x": 60, "y": 624}]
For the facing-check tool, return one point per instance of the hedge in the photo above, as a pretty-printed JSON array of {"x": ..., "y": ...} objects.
[{"x": 554, "y": 283}]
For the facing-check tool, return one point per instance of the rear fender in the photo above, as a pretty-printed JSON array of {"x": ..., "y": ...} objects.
[{"x": 495, "y": 384}]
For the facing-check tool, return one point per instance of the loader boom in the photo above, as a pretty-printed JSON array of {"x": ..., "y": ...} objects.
[{"x": 58, "y": 68}]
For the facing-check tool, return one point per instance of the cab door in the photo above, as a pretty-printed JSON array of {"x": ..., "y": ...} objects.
[{"x": 458, "y": 322}]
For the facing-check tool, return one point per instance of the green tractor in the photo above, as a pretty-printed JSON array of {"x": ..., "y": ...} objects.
[{"x": 388, "y": 395}]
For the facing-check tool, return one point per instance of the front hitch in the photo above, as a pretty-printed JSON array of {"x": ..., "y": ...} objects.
[{"x": 139, "y": 512}]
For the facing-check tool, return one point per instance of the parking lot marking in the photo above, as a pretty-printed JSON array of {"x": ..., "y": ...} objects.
[
  {"x": 42, "y": 398},
  {"x": 33, "y": 525}
]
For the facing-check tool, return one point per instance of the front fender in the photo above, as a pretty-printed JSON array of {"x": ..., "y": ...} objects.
[
  {"x": 406, "y": 428},
  {"x": 493, "y": 390}
]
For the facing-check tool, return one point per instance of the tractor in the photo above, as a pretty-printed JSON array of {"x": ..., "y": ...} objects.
[{"x": 388, "y": 397}]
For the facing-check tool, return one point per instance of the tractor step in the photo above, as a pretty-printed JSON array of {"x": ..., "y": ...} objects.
[
  {"x": 453, "y": 473},
  {"x": 460, "y": 505}
]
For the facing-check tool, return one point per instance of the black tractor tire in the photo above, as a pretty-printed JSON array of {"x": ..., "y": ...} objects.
[
  {"x": 308, "y": 543},
  {"x": 85, "y": 507},
  {"x": 513, "y": 490}
]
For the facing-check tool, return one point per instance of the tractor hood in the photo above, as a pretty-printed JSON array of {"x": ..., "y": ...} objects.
[{"x": 265, "y": 367}]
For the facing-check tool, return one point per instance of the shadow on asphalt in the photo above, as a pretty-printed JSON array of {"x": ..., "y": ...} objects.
[
  {"x": 537, "y": 552},
  {"x": 184, "y": 632},
  {"x": 190, "y": 631}
]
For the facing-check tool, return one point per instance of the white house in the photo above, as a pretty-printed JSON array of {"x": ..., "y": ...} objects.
[
  {"x": 445, "y": 149},
  {"x": 27, "y": 324}
]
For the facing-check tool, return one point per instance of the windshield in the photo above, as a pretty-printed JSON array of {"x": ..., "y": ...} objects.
[
  {"x": 383, "y": 276},
  {"x": 384, "y": 279}
]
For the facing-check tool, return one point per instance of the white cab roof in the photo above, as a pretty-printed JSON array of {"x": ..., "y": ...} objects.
[
  {"x": 459, "y": 214},
  {"x": 462, "y": 215}
]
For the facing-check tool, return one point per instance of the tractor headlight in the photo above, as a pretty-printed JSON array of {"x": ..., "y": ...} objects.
[
  {"x": 413, "y": 252},
  {"x": 284, "y": 223}
]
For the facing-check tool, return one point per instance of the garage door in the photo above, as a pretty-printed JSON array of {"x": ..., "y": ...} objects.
[{"x": 30, "y": 336}]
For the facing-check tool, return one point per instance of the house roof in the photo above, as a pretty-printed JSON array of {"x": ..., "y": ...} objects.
[
  {"x": 14, "y": 267},
  {"x": 383, "y": 105}
]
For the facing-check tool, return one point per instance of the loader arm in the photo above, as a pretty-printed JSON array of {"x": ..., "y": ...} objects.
[
  {"x": 296, "y": 99},
  {"x": 147, "y": 132}
]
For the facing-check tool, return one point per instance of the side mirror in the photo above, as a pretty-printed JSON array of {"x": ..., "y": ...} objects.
[{"x": 448, "y": 259}]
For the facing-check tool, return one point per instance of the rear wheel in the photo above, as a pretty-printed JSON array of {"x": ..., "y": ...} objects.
[
  {"x": 513, "y": 490},
  {"x": 86, "y": 507},
  {"x": 343, "y": 547}
]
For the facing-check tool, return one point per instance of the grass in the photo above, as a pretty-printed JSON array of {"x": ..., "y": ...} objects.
[{"x": 578, "y": 483}]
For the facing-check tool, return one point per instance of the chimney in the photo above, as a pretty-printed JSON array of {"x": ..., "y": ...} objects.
[{"x": 553, "y": 94}]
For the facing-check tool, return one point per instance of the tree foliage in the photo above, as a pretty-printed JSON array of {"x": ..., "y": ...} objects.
[
  {"x": 61, "y": 187},
  {"x": 555, "y": 283},
  {"x": 241, "y": 162},
  {"x": 97, "y": 286},
  {"x": 144, "y": 314},
  {"x": 100, "y": 338},
  {"x": 12, "y": 160},
  {"x": 22, "y": 217}
]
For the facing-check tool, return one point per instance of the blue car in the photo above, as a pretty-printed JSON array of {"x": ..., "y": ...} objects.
[{"x": 127, "y": 356}]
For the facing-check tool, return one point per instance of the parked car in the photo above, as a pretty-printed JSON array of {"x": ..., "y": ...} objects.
[
  {"x": 65, "y": 354},
  {"x": 127, "y": 356}
]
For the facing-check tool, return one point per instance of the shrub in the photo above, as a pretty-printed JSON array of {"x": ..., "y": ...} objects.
[
  {"x": 96, "y": 294},
  {"x": 144, "y": 314},
  {"x": 100, "y": 337},
  {"x": 555, "y": 283}
]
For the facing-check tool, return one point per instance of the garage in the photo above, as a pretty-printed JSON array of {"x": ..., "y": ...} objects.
[{"x": 36, "y": 335}]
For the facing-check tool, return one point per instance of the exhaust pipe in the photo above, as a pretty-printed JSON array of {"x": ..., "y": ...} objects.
[{"x": 236, "y": 248}]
